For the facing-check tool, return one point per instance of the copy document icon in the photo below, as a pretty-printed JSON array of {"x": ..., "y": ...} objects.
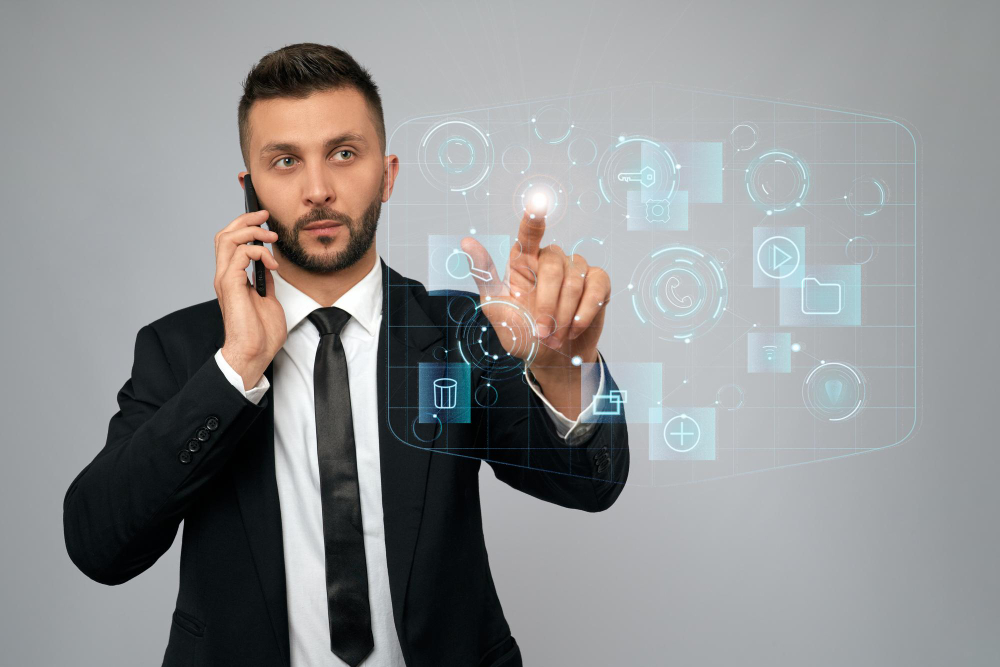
[{"x": 819, "y": 298}]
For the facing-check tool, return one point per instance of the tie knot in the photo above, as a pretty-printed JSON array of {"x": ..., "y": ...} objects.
[{"x": 329, "y": 320}]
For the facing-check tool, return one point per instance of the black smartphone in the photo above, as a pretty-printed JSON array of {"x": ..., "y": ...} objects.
[{"x": 252, "y": 206}]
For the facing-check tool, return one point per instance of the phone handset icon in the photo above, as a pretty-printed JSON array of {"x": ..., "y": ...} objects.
[{"x": 675, "y": 300}]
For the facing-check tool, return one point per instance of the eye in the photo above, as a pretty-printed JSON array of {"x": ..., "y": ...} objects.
[
  {"x": 349, "y": 152},
  {"x": 282, "y": 159}
]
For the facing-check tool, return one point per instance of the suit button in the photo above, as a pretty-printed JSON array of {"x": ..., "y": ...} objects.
[
  {"x": 184, "y": 456},
  {"x": 194, "y": 445},
  {"x": 212, "y": 423},
  {"x": 203, "y": 434}
]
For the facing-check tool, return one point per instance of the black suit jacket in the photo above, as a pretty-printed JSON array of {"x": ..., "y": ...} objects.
[{"x": 123, "y": 510}]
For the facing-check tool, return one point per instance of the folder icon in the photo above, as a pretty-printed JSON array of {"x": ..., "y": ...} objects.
[{"x": 819, "y": 298}]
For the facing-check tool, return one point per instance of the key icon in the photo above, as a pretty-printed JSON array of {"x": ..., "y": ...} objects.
[{"x": 643, "y": 177}]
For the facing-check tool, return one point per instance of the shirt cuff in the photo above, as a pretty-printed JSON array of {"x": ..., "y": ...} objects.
[
  {"x": 255, "y": 393},
  {"x": 574, "y": 432}
]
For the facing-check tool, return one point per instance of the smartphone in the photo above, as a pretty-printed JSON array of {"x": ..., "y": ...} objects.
[{"x": 252, "y": 206}]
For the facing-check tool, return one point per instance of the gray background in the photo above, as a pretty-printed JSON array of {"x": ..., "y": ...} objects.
[{"x": 119, "y": 126}]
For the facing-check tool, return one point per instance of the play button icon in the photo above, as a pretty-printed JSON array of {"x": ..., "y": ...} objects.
[{"x": 778, "y": 257}]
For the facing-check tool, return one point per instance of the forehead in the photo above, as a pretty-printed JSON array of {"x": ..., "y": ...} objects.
[{"x": 311, "y": 119}]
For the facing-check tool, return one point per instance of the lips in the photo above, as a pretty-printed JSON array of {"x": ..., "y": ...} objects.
[{"x": 323, "y": 224}]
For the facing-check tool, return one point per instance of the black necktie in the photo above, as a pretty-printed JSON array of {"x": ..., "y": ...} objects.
[{"x": 343, "y": 538}]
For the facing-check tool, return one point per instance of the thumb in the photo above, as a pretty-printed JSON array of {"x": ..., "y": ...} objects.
[{"x": 482, "y": 268}]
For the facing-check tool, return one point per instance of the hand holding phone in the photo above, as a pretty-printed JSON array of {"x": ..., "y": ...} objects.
[
  {"x": 254, "y": 325},
  {"x": 252, "y": 206}
]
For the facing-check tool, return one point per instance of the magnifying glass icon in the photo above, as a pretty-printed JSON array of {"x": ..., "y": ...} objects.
[{"x": 471, "y": 270}]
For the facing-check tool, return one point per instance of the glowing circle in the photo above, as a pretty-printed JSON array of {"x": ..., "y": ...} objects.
[
  {"x": 867, "y": 196},
  {"x": 455, "y": 155},
  {"x": 516, "y": 159},
  {"x": 730, "y": 396},
  {"x": 777, "y": 181},
  {"x": 543, "y": 189},
  {"x": 860, "y": 250},
  {"x": 833, "y": 391},
  {"x": 636, "y": 163},
  {"x": 486, "y": 352},
  {"x": 743, "y": 136},
  {"x": 680, "y": 290},
  {"x": 780, "y": 254},
  {"x": 581, "y": 151},
  {"x": 671, "y": 437},
  {"x": 552, "y": 124}
]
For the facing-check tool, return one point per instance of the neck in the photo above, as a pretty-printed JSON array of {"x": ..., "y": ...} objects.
[{"x": 325, "y": 289}]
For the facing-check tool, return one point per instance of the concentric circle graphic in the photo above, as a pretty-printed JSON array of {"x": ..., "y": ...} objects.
[
  {"x": 777, "y": 181},
  {"x": 834, "y": 391},
  {"x": 680, "y": 290},
  {"x": 636, "y": 163},
  {"x": 455, "y": 155},
  {"x": 485, "y": 352},
  {"x": 860, "y": 250}
]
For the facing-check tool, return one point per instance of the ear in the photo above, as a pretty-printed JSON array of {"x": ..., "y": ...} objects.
[
  {"x": 240, "y": 176},
  {"x": 390, "y": 169}
]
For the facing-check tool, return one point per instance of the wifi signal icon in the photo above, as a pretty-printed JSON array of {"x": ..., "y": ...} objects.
[{"x": 770, "y": 351}]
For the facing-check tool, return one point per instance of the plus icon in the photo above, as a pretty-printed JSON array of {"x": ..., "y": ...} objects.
[{"x": 681, "y": 433}]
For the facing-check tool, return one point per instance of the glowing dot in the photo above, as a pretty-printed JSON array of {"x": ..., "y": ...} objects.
[
  {"x": 503, "y": 324},
  {"x": 678, "y": 166},
  {"x": 755, "y": 325},
  {"x": 539, "y": 200},
  {"x": 472, "y": 231},
  {"x": 484, "y": 328},
  {"x": 517, "y": 294},
  {"x": 684, "y": 381},
  {"x": 495, "y": 356},
  {"x": 621, "y": 138},
  {"x": 434, "y": 415},
  {"x": 576, "y": 361},
  {"x": 489, "y": 298},
  {"x": 532, "y": 120},
  {"x": 630, "y": 285},
  {"x": 796, "y": 347},
  {"x": 531, "y": 216},
  {"x": 572, "y": 125},
  {"x": 687, "y": 340},
  {"x": 576, "y": 318},
  {"x": 600, "y": 303},
  {"x": 488, "y": 384},
  {"x": 770, "y": 212}
]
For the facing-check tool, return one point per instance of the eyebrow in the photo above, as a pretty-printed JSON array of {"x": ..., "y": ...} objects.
[{"x": 346, "y": 137}]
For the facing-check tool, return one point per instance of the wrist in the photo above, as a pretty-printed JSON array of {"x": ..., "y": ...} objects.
[{"x": 244, "y": 366}]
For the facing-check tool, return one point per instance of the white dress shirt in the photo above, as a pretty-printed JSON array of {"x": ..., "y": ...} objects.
[{"x": 297, "y": 467}]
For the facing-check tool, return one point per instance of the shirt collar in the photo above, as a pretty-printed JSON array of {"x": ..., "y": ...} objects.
[{"x": 363, "y": 301}]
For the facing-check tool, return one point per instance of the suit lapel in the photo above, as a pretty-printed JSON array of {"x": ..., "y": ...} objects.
[
  {"x": 407, "y": 337},
  {"x": 404, "y": 465}
]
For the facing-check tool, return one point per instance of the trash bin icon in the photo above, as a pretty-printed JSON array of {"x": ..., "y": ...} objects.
[{"x": 445, "y": 393}]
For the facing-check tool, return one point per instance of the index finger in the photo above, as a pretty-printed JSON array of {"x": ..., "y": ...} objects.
[{"x": 532, "y": 228}]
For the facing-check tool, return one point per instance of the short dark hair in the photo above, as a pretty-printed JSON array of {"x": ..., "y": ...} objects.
[{"x": 298, "y": 70}]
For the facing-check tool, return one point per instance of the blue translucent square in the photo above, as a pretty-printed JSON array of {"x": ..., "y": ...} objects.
[
  {"x": 700, "y": 169},
  {"x": 686, "y": 434},
  {"x": 654, "y": 210},
  {"x": 779, "y": 256},
  {"x": 638, "y": 395},
  {"x": 445, "y": 391},
  {"x": 769, "y": 353},
  {"x": 827, "y": 296},
  {"x": 448, "y": 266}
]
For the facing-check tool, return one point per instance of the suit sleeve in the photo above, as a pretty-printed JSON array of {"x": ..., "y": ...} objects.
[
  {"x": 164, "y": 445},
  {"x": 519, "y": 441}
]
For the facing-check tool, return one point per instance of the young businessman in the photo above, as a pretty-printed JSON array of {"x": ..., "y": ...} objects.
[{"x": 315, "y": 532}]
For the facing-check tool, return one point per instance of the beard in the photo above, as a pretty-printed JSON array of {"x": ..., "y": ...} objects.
[{"x": 360, "y": 236}]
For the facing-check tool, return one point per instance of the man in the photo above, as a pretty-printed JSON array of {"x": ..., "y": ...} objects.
[{"x": 319, "y": 528}]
